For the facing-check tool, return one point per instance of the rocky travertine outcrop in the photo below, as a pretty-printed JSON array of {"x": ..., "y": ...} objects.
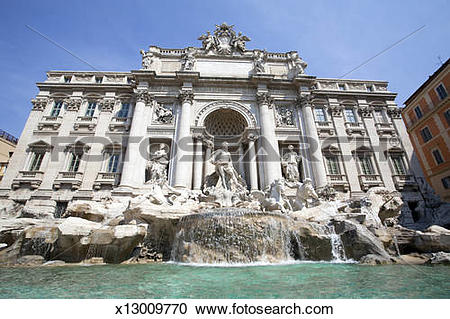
[
  {"x": 74, "y": 239},
  {"x": 136, "y": 230},
  {"x": 358, "y": 241}
]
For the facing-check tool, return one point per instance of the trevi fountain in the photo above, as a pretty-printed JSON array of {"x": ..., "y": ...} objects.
[{"x": 229, "y": 222}]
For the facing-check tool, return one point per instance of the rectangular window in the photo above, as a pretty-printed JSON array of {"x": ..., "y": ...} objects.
[
  {"x": 369, "y": 88},
  {"x": 57, "y": 108},
  {"x": 113, "y": 163},
  {"x": 74, "y": 163},
  {"x": 418, "y": 112},
  {"x": 446, "y": 182},
  {"x": 399, "y": 165},
  {"x": 379, "y": 116},
  {"x": 36, "y": 161},
  {"x": 426, "y": 134},
  {"x": 341, "y": 87},
  {"x": 447, "y": 116},
  {"x": 350, "y": 116},
  {"x": 333, "y": 165},
  {"x": 437, "y": 156},
  {"x": 67, "y": 79},
  {"x": 320, "y": 114},
  {"x": 366, "y": 165},
  {"x": 124, "y": 110},
  {"x": 90, "y": 110},
  {"x": 98, "y": 79},
  {"x": 441, "y": 91}
]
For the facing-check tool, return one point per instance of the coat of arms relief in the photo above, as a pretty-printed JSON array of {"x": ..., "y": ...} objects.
[{"x": 224, "y": 40}]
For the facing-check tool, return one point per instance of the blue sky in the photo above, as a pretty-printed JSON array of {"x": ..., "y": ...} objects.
[{"x": 332, "y": 36}]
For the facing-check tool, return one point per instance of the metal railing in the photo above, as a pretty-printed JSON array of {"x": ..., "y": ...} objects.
[{"x": 10, "y": 138}]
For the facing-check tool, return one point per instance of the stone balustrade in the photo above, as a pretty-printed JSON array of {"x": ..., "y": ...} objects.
[
  {"x": 31, "y": 178},
  {"x": 71, "y": 179},
  {"x": 370, "y": 180}
]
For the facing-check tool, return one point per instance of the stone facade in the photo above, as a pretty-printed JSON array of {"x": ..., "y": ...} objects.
[{"x": 92, "y": 134}]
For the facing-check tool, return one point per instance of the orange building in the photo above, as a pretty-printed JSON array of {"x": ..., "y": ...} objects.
[{"x": 427, "y": 118}]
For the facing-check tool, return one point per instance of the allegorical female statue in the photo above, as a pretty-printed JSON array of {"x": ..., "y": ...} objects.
[
  {"x": 157, "y": 166},
  {"x": 290, "y": 165}
]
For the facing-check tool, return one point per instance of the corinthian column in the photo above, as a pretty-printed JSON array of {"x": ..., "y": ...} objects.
[
  {"x": 272, "y": 167},
  {"x": 253, "y": 170},
  {"x": 208, "y": 167},
  {"x": 133, "y": 172},
  {"x": 183, "y": 160},
  {"x": 198, "y": 162},
  {"x": 318, "y": 167}
]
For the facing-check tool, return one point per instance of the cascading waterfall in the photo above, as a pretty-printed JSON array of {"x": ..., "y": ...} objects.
[
  {"x": 233, "y": 235},
  {"x": 40, "y": 242},
  {"x": 337, "y": 248},
  {"x": 38, "y": 246}
]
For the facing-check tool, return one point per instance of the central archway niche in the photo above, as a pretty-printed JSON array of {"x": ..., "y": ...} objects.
[
  {"x": 228, "y": 121},
  {"x": 225, "y": 125}
]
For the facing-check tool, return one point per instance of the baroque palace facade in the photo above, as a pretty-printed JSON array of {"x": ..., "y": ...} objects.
[{"x": 91, "y": 134}]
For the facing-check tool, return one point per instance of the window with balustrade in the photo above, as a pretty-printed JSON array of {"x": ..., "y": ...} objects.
[
  {"x": 36, "y": 155},
  {"x": 380, "y": 116},
  {"x": 90, "y": 109},
  {"x": 124, "y": 110},
  {"x": 320, "y": 114},
  {"x": 56, "y": 110},
  {"x": 36, "y": 161},
  {"x": 113, "y": 163},
  {"x": 350, "y": 115},
  {"x": 74, "y": 162},
  {"x": 398, "y": 164},
  {"x": 74, "y": 156},
  {"x": 112, "y": 158},
  {"x": 365, "y": 164},
  {"x": 332, "y": 162},
  {"x": 364, "y": 157}
]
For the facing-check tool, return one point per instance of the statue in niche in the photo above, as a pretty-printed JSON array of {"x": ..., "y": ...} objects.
[
  {"x": 188, "y": 60},
  {"x": 259, "y": 61},
  {"x": 227, "y": 174},
  {"x": 163, "y": 114},
  {"x": 290, "y": 163},
  {"x": 208, "y": 42},
  {"x": 147, "y": 59},
  {"x": 298, "y": 64},
  {"x": 157, "y": 166},
  {"x": 224, "y": 187},
  {"x": 284, "y": 117}
]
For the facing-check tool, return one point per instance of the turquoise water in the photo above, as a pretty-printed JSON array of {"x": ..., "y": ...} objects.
[{"x": 305, "y": 280}]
